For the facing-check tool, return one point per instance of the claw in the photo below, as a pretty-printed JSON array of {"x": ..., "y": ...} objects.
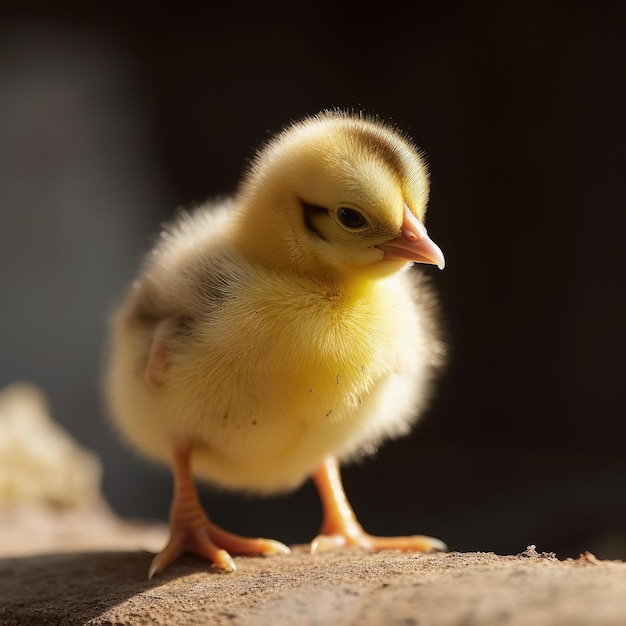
[
  {"x": 325, "y": 543},
  {"x": 154, "y": 567},
  {"x": 275, "y": 547},
  {"x": 224, "y": 561}
]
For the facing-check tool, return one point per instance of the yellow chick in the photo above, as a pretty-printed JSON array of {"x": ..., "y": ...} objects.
[{"x": 271, "y": 335}]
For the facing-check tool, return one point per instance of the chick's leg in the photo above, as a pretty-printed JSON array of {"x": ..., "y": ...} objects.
[
  {"x": 340, "y": 527},
  {"x": 192, "y": 531}
]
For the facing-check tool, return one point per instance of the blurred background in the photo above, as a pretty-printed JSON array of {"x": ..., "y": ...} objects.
[{"x": 111, "y": 118}]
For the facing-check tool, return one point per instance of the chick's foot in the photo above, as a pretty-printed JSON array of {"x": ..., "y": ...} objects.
[
  {"x": 191, "y": 531},
  {"x": 201, "y": 537},
  {"x": 342, "y": 539},
  {"x": 341, "y": 528}
]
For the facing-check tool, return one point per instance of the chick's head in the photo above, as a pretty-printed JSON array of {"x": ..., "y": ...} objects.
[{"x": 337, "y": 194}]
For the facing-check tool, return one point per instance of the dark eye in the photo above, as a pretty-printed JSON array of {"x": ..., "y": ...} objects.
[{"x": 350, "y": 218}]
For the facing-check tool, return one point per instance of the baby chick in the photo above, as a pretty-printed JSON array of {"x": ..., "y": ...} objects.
[{"x": 272, "y": 334}]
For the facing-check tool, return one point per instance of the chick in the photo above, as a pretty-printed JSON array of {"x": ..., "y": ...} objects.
[{"x": 271, "y": 335}]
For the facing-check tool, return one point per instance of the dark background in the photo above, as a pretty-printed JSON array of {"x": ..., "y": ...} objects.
[{"x": 111, "y": 118}]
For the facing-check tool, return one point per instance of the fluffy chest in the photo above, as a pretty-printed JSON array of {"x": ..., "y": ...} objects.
[
  {"x": 277, "y": 377},
  {"x": 281, "y": 347}
]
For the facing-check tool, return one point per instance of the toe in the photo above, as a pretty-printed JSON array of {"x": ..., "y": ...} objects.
[{"x": 415, "y": 543}]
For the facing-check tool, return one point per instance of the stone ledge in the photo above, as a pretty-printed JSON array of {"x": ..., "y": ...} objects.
[{"x": 110, "y": 588}]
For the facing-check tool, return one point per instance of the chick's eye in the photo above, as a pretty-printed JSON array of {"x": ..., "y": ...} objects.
[{"x": 350, "y": 217}]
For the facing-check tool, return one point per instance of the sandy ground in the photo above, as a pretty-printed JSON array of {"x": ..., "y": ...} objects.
[{"x": 87, "y": 567}]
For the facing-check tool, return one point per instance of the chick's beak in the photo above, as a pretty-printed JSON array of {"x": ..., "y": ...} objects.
[{"x": 413, "y": 244}]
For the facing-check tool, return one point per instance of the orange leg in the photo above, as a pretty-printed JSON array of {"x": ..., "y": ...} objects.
[
  {"x": 192, "y": 531},
  {"x": 340, "y": 527}
]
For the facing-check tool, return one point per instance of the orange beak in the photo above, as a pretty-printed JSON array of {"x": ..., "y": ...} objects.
[{"x": 413, "y": 244}]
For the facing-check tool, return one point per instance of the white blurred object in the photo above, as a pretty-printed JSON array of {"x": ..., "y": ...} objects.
[
  {"x": 39, "y": 461},
  {"x": 50, "y": 500}
]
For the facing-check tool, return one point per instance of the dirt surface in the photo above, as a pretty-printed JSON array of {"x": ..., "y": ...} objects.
[{"x": 44, "y": 580}]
